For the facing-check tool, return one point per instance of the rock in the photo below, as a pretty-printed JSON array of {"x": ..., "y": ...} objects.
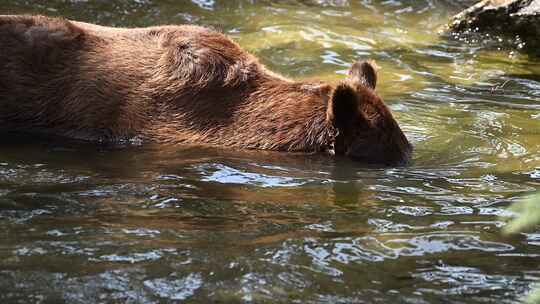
[{"x": 508, "y": 18}]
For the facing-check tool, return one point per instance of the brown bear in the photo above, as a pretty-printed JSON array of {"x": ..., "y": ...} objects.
[{"x": 181, "y": 85}]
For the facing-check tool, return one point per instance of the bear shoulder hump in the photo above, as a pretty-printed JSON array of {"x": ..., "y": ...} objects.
[{"x": 40, "y": 30}]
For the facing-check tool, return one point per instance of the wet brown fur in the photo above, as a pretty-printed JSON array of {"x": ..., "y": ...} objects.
[{"x": 178, "y": 85}]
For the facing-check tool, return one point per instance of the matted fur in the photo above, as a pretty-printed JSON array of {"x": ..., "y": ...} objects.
[{"x": 181, "y": 85}]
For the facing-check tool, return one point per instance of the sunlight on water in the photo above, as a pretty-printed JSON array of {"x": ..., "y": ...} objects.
[{"x": 82, "y": 224}]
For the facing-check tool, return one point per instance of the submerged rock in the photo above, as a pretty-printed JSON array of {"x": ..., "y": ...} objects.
[{"x": 509, "y": 18}]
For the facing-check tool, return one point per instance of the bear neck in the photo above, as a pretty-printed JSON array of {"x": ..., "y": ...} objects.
[
  {"x": 288, "y": 116},
  {"x": 275, "y": 114}
]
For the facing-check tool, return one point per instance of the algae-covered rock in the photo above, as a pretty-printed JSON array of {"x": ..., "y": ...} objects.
[{"x": 509, "y": 18}]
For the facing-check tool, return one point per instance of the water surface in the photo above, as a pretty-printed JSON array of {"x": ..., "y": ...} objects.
[{"x": 87, "y": 224}]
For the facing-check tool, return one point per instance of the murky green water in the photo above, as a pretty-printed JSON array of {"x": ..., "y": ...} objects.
[{"x": 86, "y": 224}]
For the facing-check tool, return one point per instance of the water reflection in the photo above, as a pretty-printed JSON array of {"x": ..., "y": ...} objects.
[{"x": 226, "y": 175}]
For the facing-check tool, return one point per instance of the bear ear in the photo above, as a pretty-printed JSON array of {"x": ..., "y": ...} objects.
[
  {"x": 364, "y": 73},
  {"x": 343, "y": 106}
]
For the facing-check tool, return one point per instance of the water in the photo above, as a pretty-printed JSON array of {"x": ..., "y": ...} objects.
[{"x": 86, "y": 224}]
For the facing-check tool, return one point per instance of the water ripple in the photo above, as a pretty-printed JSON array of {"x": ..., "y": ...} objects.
[
  {"x": 223, "y": 174},
  {"x": 175, "y": 289}
]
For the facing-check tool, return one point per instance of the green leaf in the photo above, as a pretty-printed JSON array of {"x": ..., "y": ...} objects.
[
  {"x": 534, "y": 297},
  {"x": 529, "y": 215}
]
